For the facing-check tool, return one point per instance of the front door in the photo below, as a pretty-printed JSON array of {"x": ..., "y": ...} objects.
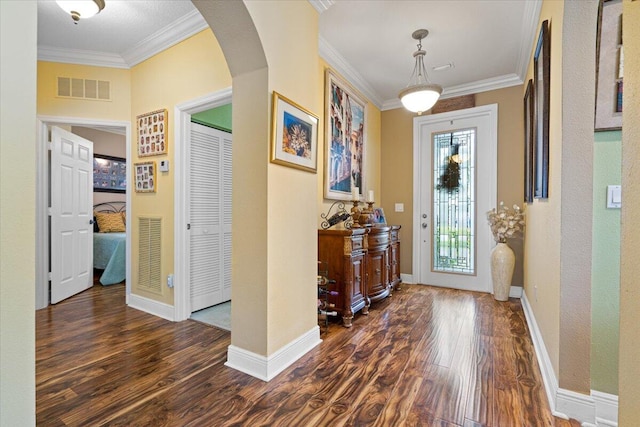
[
  {"x": 71, "y": 214},
  {"x": 455, "y": 176}
]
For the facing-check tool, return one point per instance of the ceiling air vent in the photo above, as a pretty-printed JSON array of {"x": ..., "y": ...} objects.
[{"x": 99, "y": 90}]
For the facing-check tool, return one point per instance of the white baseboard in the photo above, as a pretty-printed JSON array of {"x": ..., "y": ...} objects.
[
  {"x": 267, "y": 367},
  {"x": 407, "y": 278},
  {"x": 546, "y": 368},
  {"x": 578, "y": 406},
  {"x": 606, "y": 408},
  {"x": 515, "y": 292},
  {"x": 150, "y": 306},
  {"x": 596, "y": 409}
]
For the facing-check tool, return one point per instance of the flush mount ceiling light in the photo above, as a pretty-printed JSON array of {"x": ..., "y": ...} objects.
[
  {"x": 81, "y": 8},
  {"x": 420, "y": 94}
]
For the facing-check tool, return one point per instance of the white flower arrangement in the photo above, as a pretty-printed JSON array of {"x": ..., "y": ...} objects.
[{"x": 505, "y": 223}]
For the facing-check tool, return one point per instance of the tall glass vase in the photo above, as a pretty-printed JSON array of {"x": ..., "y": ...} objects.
[{"x": 502, "y": 262}]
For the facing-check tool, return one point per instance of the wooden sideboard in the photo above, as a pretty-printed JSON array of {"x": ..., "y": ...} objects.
[{"x": 364, "y": 262}]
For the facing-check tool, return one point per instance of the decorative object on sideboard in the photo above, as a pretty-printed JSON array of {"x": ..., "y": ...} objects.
[
  {"x": 362, "y": 217},
  {"x": 505, "y": 224},
  {"x": 339, "y": 216},
  {"x": 420, "y": 94}
]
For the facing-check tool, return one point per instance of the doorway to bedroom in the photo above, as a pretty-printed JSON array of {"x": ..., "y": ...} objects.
[{"x": 105, "y": 141}]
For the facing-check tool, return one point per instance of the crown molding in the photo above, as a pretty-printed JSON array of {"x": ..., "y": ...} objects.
[
  {"x": 183, "y": 28},
  {"x": 529, "y": 32},
  {"x": 494, "y": 83},
  {"x": 321, "y": 5},
  {"x": 79, "y": 56},
  {"x": 339, "y": 64}
]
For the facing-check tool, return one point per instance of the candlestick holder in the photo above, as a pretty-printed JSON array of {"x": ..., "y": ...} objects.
[{"x": 355, "y": 213}]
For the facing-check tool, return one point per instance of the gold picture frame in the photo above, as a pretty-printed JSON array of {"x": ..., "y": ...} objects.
[
  {"x": 345, "y": 139},
  {"x": 151, "y": 133},
  {"x": 144, "y": 175},
  {"x": 294, "y": 135}
]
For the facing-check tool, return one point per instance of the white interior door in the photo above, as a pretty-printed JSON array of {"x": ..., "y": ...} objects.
[
  {"x": 71, "y": 214},
  {"x": 455, "y": 182},
  {"x": 209, "y": 216}
]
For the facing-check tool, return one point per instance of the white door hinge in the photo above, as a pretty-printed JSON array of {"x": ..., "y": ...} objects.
[
  {"x": 49, "y": 211},
  {"x": 50, "y": 276},
  {"x": 49, "y": 145}
]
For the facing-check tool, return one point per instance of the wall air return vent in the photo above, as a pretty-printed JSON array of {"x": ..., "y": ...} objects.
[
  {"x": 149, "y": 254},
  {"x": 97, "y": 90}
]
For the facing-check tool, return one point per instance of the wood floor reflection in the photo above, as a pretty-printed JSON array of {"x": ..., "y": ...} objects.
[{"x": 423, "y": 357}]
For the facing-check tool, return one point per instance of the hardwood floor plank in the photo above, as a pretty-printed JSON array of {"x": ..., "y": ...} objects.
[
  {"x": 423, "y": 357},
  {"x": 480, "y": 401}
]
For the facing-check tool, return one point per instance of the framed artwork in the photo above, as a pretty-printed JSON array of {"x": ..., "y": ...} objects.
[
  {"x": 609, "y": 67},
  {"x": 145, "y": 177},
  {"x": 152, "y": 133},
  {"x": 541, "y": 90},
  {"x": 528, "y": 143},
  {"x": 378, "y": 216},
  {"x": 345, "y": 139},
  {"x": 109, "y": 174},
  {"x": 294, "y": 135}
]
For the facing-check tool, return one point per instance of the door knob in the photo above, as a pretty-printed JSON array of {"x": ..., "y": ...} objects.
[
  {"x": 424, "y": 225},
  {"x": 90, "y": 221}
]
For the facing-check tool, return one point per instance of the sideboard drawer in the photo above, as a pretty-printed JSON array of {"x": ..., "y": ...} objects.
[
  {"x": 378, "y": 239},
  {"x": 357, "y": 243}
]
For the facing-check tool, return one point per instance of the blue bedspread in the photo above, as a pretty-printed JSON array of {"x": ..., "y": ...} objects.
[{"x": 109, "y": 254}]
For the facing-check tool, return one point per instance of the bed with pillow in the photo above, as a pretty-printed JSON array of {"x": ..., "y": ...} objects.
[{"x": 110, "y": 242}]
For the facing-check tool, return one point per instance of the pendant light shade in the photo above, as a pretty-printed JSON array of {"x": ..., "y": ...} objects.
[
  {"x": 420, "y": 94},
  {"x": 81, "y": 8}
]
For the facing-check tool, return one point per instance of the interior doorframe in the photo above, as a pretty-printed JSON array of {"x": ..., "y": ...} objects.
[
  {"x": 182, "y": 139},
  {"x": 490, "y": 110},
  {"x": 42, "y": 198}
]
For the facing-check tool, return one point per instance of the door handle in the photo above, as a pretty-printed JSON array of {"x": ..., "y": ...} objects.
[
  {"x": 424, "y": 225},
  {"x": 90, "y": 221}
]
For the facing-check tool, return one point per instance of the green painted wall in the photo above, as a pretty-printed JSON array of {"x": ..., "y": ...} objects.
[
  {"x": 219, "y": 118},
  {"x": 605, "y": 292}
]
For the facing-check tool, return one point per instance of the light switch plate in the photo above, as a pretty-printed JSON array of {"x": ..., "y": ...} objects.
[
  {"x": 164, "y": 165},
  {"x": 399, "y": 207},
  {"x": 614, "y": 196}
]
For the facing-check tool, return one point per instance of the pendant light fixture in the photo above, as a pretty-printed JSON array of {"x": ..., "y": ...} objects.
[
  {"x": 81, "y": 8},
  {"x": 420, "y": 94}
]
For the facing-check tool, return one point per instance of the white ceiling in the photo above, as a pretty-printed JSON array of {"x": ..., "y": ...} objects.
[{"x": 488, "y": 42}]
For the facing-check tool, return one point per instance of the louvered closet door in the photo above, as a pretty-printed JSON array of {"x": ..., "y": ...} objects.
[{"x": 209, "y": 216}]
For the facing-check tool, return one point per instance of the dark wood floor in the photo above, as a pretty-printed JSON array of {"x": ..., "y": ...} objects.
[{"x": 424, "y": 357}]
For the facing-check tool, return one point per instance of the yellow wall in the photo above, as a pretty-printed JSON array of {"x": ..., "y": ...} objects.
[
  {"x": 192, "y": 68},
  {"x": 397, "y": 167},
  {"x": 629, "y": 375},
  {"x": 119, "y": 108},
  {"x": 17, "y": 212},
  {"x": 281, "y": 229},
  {"x": 542, "y": 245}
]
